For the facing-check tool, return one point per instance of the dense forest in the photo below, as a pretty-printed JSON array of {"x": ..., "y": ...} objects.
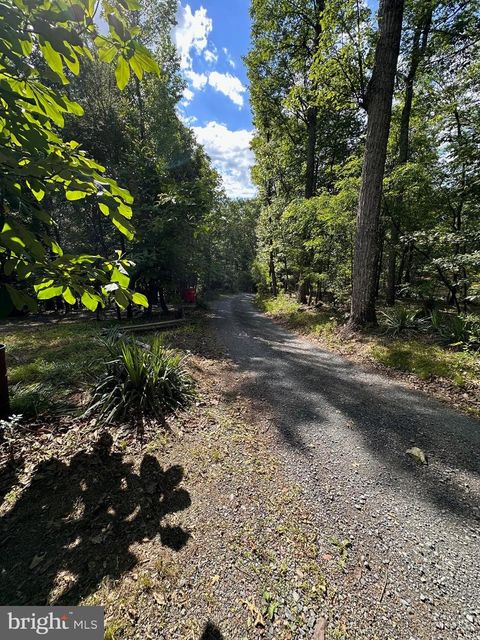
[
  {"x": 367, "y": 169},
  {"x": 227, "y": 418},
  {"x": 129, "y": 159},
  {"x": 366, "y": 153}
]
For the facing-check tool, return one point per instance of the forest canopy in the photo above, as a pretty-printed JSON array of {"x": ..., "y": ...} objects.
[
  {"x": 106, "y": 195},
  {"x": 320, "y": 75}
]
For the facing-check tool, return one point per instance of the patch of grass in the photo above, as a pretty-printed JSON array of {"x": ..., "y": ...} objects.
[
  {"x": 32, "y": 400},
  {"x": 284, "y": 307},
  {"x": 427, "y": 361},
  {"x": 115, "y": 629},
  {"x": 419, "y": 355},
  {"x": 48, "y": 363}
]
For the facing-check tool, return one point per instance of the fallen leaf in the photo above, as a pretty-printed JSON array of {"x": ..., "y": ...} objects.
[
  {"x": 417, "y": 455},
  {"x": 319, "y": 630},
  {"x": 37, "y": 560}
]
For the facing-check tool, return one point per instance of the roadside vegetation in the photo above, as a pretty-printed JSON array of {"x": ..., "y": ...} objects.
[{"x": 435, "y": 348}]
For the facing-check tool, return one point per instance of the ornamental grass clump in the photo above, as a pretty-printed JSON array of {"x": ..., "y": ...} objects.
[
  {"x": 402, "y": 320},
  {"x": 140, "y": 381}
]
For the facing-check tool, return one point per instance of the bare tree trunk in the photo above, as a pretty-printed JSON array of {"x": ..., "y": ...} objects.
[
  {"x": 378, "y": 102},
  {"x": 311, "y": 171},
  {"x": 273, "y": 273},
  {"x": 161, "y": 299},
  {"x": 311, "y": 149},
  {"x": 420, "y": 39}
]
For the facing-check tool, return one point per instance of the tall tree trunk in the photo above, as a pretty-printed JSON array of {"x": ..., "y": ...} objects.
[
  {"x": 311, "y": 148},
  {"x": 378, "y": 102},
  {"x": 273, "y": 274},
  {"x": 271, "y": 262},
  {"x": 419, "y": 45},
  {"x": 311, "y": 170},
  {"x": 161, "y": 300}
]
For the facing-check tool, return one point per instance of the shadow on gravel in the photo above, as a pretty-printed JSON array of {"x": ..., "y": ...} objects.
[
  {"x": 74, "y": 524},
  {"x": 310, "y": 392},
  {"x": 211, "y": 632}
]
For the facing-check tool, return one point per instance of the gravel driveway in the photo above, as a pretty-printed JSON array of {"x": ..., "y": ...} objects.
[{"x": 413, "y": 568}]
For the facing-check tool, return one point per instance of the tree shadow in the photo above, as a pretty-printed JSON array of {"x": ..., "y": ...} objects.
[
  {"x": 9, "y": 475},
  {"x": 211, "y": 632},
  {"x": 316, "y": 396},
  {"x": 74, "y": 524}
]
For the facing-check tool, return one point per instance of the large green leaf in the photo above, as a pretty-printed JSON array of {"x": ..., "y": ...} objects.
[
  {"x": 36, "y": 164},
  {"x": 122, "y": 72}
]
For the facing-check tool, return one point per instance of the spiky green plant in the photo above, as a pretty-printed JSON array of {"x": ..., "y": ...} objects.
[
  {"x": 140, "y": 381},
  {"x": 399, "y": 319},
  {"x": 457, "y": 330}
]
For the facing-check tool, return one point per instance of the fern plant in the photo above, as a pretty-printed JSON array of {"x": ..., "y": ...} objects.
[{"x": 457, "y": 330}]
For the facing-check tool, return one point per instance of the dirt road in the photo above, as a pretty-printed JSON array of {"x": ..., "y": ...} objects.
[{"x": 412, "y": 561}]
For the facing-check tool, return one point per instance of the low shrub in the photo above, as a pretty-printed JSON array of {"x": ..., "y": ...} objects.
[
  {"x": 399, "y": 319},
  {"x": 461, "y": 330},
  {"x": 139, "y": 381}
]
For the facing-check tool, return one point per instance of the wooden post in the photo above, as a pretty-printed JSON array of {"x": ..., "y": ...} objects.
[{"x": 4, "y": 401}]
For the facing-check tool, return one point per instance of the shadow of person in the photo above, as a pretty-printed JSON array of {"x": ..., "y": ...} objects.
[
  {"x": 9, "y": 474},
  {"x": 211, "y": 632},
  {"x": 74, "y": 525}
]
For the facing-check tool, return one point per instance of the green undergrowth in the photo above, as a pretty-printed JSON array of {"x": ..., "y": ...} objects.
[
  {"x": 420, "y": 354},
  {"x": 428, "y": 360},
  {"x": 321, "y": 323},
  {"x": 51, "y": 367}
]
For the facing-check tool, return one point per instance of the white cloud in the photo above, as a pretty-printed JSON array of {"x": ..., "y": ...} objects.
[
  {"x": 191, "y": 32},
  {"x": 187, "y": 96},
  {"x": 229, "y": 85},
  {"x": 187, "y": 120},
  {"x": 210, "y": 55},
  {"x": 197, "y": 80},
  {"x": 231, "y": 156},
  {"x": 229, "y": 58}
]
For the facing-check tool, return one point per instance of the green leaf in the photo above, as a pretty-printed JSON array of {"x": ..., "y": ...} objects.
[
  {"x": 121, "y": 299},
  {"x": 68, "y": 296},
  {"x": 49, "y": 292},
  {"x": 124, "y": 227},
  {"x": 75, "y": 195},
  {"x": 140, "y": 299},
  {"x": 107, "y": 52},
  {"x": 20, "y": 299},
  {"x": 38, "y": 193},
  {"x": 122, "y": 278},
  {"x": 122, "y": 73},
  {"x": 90, "y": 301},
  {"x": 56, "y": 248},
  {"x": 52, "y": 57}
]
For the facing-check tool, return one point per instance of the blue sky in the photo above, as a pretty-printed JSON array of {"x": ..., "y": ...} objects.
[{"x": 211, "y": 37}]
